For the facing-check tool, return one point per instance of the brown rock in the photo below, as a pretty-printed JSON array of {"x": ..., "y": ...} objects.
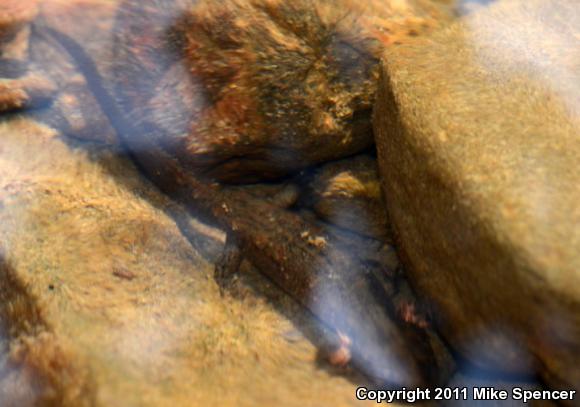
[
  {"x": 75, "y": 111},
  {"x": 15, "y": 14},
  {"x": 104, "y": 303},
  {"x": 255, "y": 89},
  {"x": 347, "y": 194},
  {"x": 97, "y": 285},
  {"x": 18, "y": 88},
  {"x": 478, "y": 138}
]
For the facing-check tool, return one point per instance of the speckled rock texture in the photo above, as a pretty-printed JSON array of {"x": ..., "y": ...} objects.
[
  {"x": 103, "y": 302},
  {"x": 478, "y": 139},
  {"x": 347, "y": 193},
  {"x": 14, "y": 17},
  {"x": 20, "y": 84},
  {"x": 257, "y": 90}
]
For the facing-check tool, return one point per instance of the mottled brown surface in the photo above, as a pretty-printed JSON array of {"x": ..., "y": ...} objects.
[
  {"x": 14, "y": 15},
  {"x": 250, "y": 90},
  {"x": 241, "y": 91},
  {"x": 479, "y": 153},
  {"x": 19, "y": 87},
  {"x": 72, "y": 232},
  {"x": 112, "y": 307},
  {"x": 103, "y": 300},
  {"x": 75, "y": 111},
  {"x": 347, "y": 193}
]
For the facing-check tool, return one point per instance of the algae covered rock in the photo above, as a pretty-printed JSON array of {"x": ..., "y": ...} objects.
[
  {"x": 347, "y": 194},
  {"x": 246, "y": 91},
  {"x": 477, "y": 132},
  {"x": 103, "y": 302}
]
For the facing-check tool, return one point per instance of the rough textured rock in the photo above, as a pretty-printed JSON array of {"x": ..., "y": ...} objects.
[
  {"x": 289, "y": 253},
  {"x": 75, "y": 111},
  {"x": 20, "y": 85},
  {"x": 478, "y": 138},
  {"x": 257, "y": 89},
  {"x": 14, "y": 16},
  {"x": 117, "y": 262},
  {"x": 104, "y": 302},
  {"x": 347, "y": 193}
]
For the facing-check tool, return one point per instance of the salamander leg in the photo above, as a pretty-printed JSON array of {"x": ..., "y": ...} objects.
[{"x": 408, "y": 309}]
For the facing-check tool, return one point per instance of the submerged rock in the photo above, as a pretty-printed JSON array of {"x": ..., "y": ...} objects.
[
  {"x": 103, "y": 302},
  {"x": 478, "y": 133},
  {"x": 246, "y": 91},
  {"x": 347, "y": 194},
  {"x": 21, "y": 86}
]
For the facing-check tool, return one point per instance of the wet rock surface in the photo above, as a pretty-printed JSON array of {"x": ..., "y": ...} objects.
[
  {"x": 477, "y": 135},
  {"x": 279, "y": 87},
  {"x": 14, "y": 17},
  {"x": 104, "y": 302},
  {"x": 99, "y": 313},
  {"x": 347, "y": 193},
  {"x": 21, "y": 85}
]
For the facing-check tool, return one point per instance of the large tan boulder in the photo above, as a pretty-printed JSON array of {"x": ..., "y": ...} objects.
[{"x": 478, "y": 138}]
